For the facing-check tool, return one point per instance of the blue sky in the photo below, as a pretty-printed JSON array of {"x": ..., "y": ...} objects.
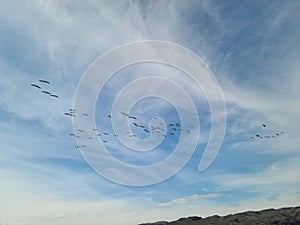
[{"x": 252, "y": 48}]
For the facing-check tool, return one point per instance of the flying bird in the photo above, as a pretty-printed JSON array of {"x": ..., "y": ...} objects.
[
  {"x": 69, "y": 114},
  {"x": 44, "y": 81},
  {"x": 54, "y": 96},
  {"x": 125, "y": 114},
  {"x": 47, "y": 92},
  {"x": 35, "y": 85}
]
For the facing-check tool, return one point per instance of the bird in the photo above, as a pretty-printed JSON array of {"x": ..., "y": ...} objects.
[
  {"x": 141, "y": 126},
  {"x": 104, "y": 141},
  {"x": 109, "y": 116},
  {"x": 77, "y": 136},
  {"x": 257, "y": 135},
  {"x": 172, "y": 133},
  {"x": 69, "y": 114},
  {"x": 84, "y": 114},
  {"x": 35, "y": 85},
  {"x": 146, "y": 130},
  {"x": 171, "y": 124},
  {"x": 132, "y": 117},
  {"x": 46, "y": 92},
  {"x": 94, "y": 129},
  {"x": 44, "y": 81},
  {"x": 264, "y": 125},
  {"x": 54, "y": 96},
  {"x": 106, "y": 133},
  {"x": 135, "y": 124},
  {"x": 125, "y": 114}
]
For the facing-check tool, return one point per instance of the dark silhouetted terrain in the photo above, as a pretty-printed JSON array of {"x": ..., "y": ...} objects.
[{"x": 283, "y": 216}]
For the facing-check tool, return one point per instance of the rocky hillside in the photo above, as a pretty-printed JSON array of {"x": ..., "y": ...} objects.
[{"x": 283, "y": 216}]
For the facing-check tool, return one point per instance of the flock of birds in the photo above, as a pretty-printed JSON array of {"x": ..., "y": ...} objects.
[
  {"x": 273, "y": 135},
  {"x": 44, "y": 91},
  {"x": 136, "y": 124},
  {"x": 171, "y": 130},
  {"x": 159, "y": 130}
]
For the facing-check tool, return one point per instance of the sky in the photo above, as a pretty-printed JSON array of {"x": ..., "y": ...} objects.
[{"x": 249, "y": 48}]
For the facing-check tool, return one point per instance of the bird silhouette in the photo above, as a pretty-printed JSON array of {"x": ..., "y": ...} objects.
[
  {"x": 54, "y": 96},
  {"x": 44, "y": 81},
  {"x": 69, "y": 114},
  {"x": 125, "y": 114},
  {"x": 46, "y": 92},
  {"x": 264, "y": 125},
  {"x": 35, "y": 85}
]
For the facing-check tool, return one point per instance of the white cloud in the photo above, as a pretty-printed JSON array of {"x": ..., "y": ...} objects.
[{"x": 188, "y": 199}]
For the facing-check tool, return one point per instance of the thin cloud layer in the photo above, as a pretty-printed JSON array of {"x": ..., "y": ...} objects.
[{"x": 250, "y": 47}]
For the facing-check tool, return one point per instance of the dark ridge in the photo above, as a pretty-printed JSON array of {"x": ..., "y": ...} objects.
[{"x": 283, "y": 216}]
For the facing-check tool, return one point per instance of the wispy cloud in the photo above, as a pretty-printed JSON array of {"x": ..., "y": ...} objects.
[{"x": 188, "y": 199}]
